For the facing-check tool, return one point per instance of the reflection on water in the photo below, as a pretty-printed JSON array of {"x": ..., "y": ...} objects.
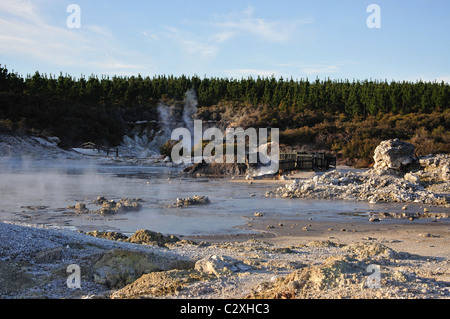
[{"x": 39, "y": 192}]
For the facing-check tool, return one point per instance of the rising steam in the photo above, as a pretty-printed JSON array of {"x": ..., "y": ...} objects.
[{"x": 171, "y": 117}]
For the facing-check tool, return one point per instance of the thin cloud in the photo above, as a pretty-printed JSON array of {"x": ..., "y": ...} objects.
[
  {"x": 266, "y": 30},
  {"x": 20, "y": 9},
  {"x": 24, "y": 32},
  {"x": 199, "y": 49},
  {"x": 249, "y": 11},
  {"x": 219, "y": 29},
  {"x": 320, "y": 69},
  {"x": 190, "y": 45},
  {"x": 246, "y": 24},
  {"x": 315, "y": 69},
  {"x": 150, "y": 34},
  {"x": 221, "y": 37}
]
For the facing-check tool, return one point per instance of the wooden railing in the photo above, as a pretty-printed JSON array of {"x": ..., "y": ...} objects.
[{"x": 290, "y": 161}]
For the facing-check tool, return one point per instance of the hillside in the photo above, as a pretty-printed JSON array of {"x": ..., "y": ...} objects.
[{"x": 347, "y": 118}]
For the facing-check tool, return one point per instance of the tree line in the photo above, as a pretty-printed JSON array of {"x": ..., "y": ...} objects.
[{"x": 334, "y": 96}]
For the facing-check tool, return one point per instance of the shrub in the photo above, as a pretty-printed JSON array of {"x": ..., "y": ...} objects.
[
  {"x": 6, "y": 125},
  {"x": 299, "y": 136},
  {"x": 166, "y": 148}
]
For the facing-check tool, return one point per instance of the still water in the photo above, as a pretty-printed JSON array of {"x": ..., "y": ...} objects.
[{"x": 38, "y": 192}]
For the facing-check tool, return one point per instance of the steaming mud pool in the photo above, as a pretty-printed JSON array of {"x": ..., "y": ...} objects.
[{"x": 42, "y": 192}]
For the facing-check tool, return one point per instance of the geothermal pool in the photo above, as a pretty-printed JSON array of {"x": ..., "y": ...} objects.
[{"x": 39, "y": 192}]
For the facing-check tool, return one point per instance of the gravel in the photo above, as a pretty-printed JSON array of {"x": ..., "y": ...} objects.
[{"x": 33, "y": 260}]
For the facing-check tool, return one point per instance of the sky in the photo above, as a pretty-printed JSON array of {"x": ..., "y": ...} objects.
[{"x": 234, "y": 39}]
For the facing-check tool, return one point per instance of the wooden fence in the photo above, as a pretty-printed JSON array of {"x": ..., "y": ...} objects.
[
  {"x": 290, "y": 161},
  {"x": 108, "y": 150}
]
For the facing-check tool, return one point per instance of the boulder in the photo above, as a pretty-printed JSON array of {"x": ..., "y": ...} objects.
[
  {"x": 110, "y": 207},
  {"x": 393, "y": 154},
  {"x": 129, "y": 204},
  {"x": 81, "y": 208},
  {"x": 212, "y": 265},
  {"x": 148, "y": 237},
  {"x": 196, "y": 200},
  {"x": 412, "y": 178},
  {"x": 220, "y": 265}
]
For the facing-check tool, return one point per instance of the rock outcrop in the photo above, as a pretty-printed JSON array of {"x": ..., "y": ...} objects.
[
  {"x": 109, "y": 207},
  {"x": 220, "y": 265},
  {"x": 118, "y": 268},
  {"x": 425, "y": 181},
  {"x": 216, "y": 169},
  {"x": 160, "y": 284},
  {"x": 393, "y": 154},
  {"x": 189, "y": 201},
  {"x": 142, "y": 236},
  {"x": 108, "y": 235},
  {"x": 435, "y": 167},
  {"x": 148, "y": 237},
  {"x": 336, "y": 274},
  {"x": 123, "y": 205},
  {"x": 15, "y": 145}
]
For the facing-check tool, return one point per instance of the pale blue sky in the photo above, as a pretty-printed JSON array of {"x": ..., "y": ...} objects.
[{"x": 299, "y": 39}]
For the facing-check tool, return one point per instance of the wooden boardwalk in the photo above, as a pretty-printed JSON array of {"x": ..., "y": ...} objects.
[{"x": 290, "y": 161}]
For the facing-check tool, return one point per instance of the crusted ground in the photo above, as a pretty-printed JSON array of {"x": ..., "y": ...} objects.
[{"x": 363, "y": 268}]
